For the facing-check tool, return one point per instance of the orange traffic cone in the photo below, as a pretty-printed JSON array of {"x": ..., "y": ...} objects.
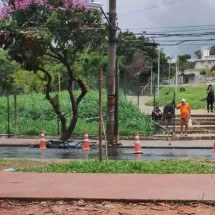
[
  {"x": 86, "y": 145},
  {"x": 42, "y": 141},
  {"x": 137, "y": 146},
  {"x": 214, "y": 147}
]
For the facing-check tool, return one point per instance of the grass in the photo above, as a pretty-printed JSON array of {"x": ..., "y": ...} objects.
[
  {"x": 195, "y": 96},
  {"x": 36, "y": 114},
  {"x": 128, "y": 167}
]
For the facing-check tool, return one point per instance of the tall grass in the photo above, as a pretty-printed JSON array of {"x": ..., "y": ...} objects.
[
  {"x": 35, "y": 114},
  {"x": 195, "y": 95},
  {"x": 144, "y": 167}
]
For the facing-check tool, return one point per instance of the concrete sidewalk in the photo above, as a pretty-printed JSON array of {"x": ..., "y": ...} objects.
[
  {"x": 115, "y": 187},
  {"x": 156, "y": 143}
]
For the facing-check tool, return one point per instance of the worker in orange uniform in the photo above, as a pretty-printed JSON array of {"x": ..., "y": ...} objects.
[{"x": 184, "y": 108}]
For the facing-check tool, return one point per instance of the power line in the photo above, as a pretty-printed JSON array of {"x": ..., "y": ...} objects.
[
  {"x": 176, "y": 31},
  {"x": 159, "y": 36},
  {"x": 194, "y": 44},
  {"x": 150, "y": 8},
  {"x": 184, "y": 41},
  {"x": 185, "y": 26}
]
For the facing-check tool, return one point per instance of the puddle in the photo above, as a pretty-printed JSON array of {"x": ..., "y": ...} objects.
[{"x": 114, "y": 154}]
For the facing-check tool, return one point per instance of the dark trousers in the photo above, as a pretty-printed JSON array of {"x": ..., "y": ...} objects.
[{"x": 210, "y": 105}]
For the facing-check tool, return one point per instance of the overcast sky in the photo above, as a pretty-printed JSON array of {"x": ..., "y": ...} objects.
[{"x": 141, "y": 15}]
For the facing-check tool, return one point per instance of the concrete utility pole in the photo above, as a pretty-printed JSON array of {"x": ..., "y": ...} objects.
[
  {"x": 111, "y": 72},
  {"x": 159, "y": 56},
  {"x": 176, "y": 73},
  {"x": 169, "y": 70}
]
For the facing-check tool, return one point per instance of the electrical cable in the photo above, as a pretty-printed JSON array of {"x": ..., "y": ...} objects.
[
  {"x": 149, "y": 8},
  {"x": 184, "y": 41},
  {"x": 185, "y": 26}
]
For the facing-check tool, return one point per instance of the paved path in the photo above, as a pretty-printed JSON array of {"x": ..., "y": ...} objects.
[
  {"x": 127, "y": 187},
  {"x": 156, "y": 143},
  {"x": 148, "y": 109}
]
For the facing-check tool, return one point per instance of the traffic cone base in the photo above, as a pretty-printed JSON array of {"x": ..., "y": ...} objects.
[
  {"x": 137, "y": 146},
  {"x": 138, "y": 156}
]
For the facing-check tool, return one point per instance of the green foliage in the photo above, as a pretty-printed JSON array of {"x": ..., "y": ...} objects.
[
  {"x": 183, "y": 62},
  {"x": 35, "y": 114},
  {"x": 51, "y": 31},
  {"x": 203, "y": 72},
  {"x": 27, "y": 82},
  {"x": 129, "y": 45},
  {"x": 182, "y": 89},
  {"x": 194, "y": 95},
  {"x": 212, "y": 50},
  {"x": 198, "y": 54},
  {"x": 7, "y": 69},
  {"x": 144, "y": 167}
]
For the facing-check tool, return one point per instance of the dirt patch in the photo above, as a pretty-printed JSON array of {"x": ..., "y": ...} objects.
[
  {"x": 17, "y": 163},
  {"x": 80, "y": 207},
  {"x": 103, "y": 208}
]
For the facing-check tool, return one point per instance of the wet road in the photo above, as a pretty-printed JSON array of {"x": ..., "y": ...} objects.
[{"x": 115, "y": 154}]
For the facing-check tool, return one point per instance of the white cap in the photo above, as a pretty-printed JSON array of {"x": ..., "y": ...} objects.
[{"x": 183, "y": 100}]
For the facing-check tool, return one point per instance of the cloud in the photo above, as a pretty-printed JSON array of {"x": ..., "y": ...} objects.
[
  {"x": 134, "y": 16},
  {"x": 210, "y": 2}
]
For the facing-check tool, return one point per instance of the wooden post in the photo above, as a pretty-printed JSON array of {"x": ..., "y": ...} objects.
[
  {"x": 100, "y": 113},
  {"x": 16, "y": 114},
  {"x": 8, "y": 115},
  {"x": 116, "y": 120}
]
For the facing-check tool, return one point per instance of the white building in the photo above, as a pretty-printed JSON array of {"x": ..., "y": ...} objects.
[{"x": 207, "y": 61}]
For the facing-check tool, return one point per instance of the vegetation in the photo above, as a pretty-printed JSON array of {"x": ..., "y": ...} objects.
[
  {"x": 195, "y": 95},
  {"x": 137, "y": 57},
  {"x": 35, "y": 32},
  {"x": 212, "y": 50},
  {"x": 144, "y": 167},
  {"x": 47, "y": 39},
  {"x": 183, "y": 61},
  {"x": 35, "y": 114}
]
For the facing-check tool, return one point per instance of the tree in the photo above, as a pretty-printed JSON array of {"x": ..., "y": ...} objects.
[
  {"x": 198, "y": 54},
  {"x": 137, "y": 66},
  {"x": 130, "y": 45},
  {"x": 27, "y": 82},
  {"x": 7, "y": 69},
  {"x": 212, "y": 50},
  {"x": 183, "y": 62},
  {"x": 36, "y": 31}
]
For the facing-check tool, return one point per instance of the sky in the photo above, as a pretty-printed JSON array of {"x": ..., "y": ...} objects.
[{"x": 169, "y": 17}]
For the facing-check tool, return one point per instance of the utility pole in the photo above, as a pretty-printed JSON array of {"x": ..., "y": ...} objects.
[
  {"x": 176, "y": 73},
  {"x": 159, "y": 56},
  {"x": 169, "y": 70},
  {"x": 111, "y": 72}
]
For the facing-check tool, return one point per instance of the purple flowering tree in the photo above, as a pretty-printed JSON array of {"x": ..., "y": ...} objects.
[{"x": 36, "y": 31}]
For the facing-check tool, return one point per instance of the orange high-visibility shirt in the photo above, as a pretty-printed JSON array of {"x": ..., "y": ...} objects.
[{"x": 185, "y": 110}]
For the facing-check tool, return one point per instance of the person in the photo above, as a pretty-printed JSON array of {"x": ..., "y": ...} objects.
[
  {"x": 185, "y": 110},
  {"x": 156, "y": 113},
  {"x": 168, "y": 112},
  {"x": 210, "y": 98}
]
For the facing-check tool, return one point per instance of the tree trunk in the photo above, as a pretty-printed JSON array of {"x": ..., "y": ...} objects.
[{"x": 66, "y": 132}]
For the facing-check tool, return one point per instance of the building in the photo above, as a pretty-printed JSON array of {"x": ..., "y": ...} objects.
[
  {"x": 190, "y": 77},
  {"x": 207, "y": 61}
]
